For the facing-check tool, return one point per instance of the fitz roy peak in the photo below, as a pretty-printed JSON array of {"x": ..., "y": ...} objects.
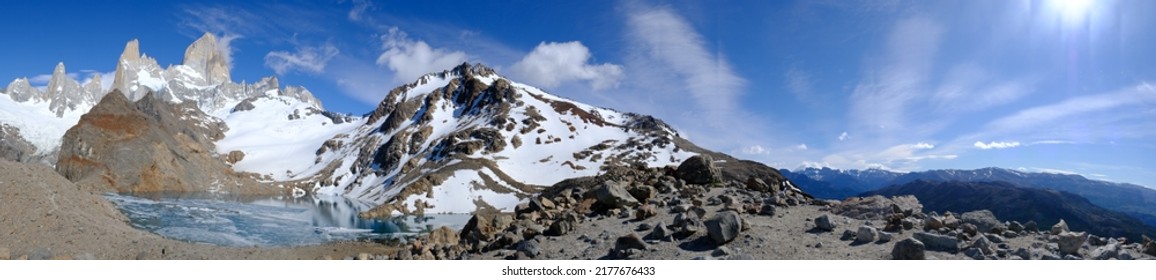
[
  {"x": 39, "y": 118},
  {"x": 453, "y": 141}
]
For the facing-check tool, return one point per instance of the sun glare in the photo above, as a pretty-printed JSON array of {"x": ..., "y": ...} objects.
[{"x": 1073, "y": 11}]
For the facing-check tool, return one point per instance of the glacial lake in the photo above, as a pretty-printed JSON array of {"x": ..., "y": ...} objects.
[{"x": 280, "y": 221}]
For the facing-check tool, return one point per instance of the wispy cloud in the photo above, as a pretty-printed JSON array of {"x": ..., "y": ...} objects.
[
  {"x": 1082, "y": 106},
  {"x": 357, "y": 13},
  {"x": 843, "y": 136},
  {"x": 306, "y": 59},
  {"x": 410, "y": 59},
  {"x": 551, "y": 64},
  {"x": 800, "y": 84},
  {"x": 996, "y": 145},
  {"x": 879, "y": 102},
  {"x": 665, "y": 38}
]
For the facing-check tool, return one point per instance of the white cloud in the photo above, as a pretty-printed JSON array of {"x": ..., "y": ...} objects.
[
  {"x": 996, "y": 145},
  {"x": 40, "y": 79},
  {"x": 755, "y": 150},
  {"x": 1051, "y": 142},
  {"x": 307, "y": 59},
  {"x": 225, "y": 47},
  {"x": 410, "y": 59},
  {"x": 801, "y": 147},
  {"x": 668, "y": 42},
  {"x": 551, "y": 64},
  {"x": 843, "y": 136}
]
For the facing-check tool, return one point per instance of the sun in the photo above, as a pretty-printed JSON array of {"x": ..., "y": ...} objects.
[{"x": 1072, "y": 11}]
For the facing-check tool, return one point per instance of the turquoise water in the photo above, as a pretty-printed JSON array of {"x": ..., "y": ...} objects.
[{"x": 268, "y": 221}]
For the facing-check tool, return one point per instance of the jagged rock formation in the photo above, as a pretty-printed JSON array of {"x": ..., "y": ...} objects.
[
  {"x": 43, "y": 117},
  {"x": 204, "y": 56},
  {"x": 148, "y": 146}
]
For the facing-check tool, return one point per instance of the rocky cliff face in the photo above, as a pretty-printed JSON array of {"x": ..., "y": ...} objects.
[
  {"x": 205, "y": 57},
  {"x": 148, "y": 146}
]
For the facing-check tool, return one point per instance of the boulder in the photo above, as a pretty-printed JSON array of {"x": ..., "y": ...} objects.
[
  {"x": 687, "y": 224},
  {"x": 758, "y": 185},
  {"x": 866, "y": 234},
  {"x": 1031, "y": 226},
  {"x": 1070, "y": 242},
  {"x": 767, "y": 210},
  {"x": 969, "y": 229},
  {"x": 660, "y": 232},
  {"x": 443, "y": 236},
  {"x": 1060, "y": 227},
  {"x": 724, "y": 227},
  {"x": 933, "y": 223},
  {"x": 1015, "y": 226},
  {"x": 884, "y": 237},
  {"x": 645, "y": 211},
  {"x": 629, "y": 241},
  {"x": 973, "y": 253},
  {"x": 983, "y": 220},
  {"x": 936, "y": 242},
  {"x": 1112, "y": 250},
  {"x": 700, "y": 170},
  {"x": 614, "y": 195},
  {"x": 1149, "y": 246},
  {"x": 529, "y": 247},
  {"x": 824, "y": 223},
  {"x": 908, "y": 249},
  {"x": 847, "y": 235},
  {"x": 984, "y": 245},
  {"x": 642, "y": 193}
]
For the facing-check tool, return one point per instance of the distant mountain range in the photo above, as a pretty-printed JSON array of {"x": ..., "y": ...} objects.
[
  {"x": 1012, "y": 203},
  {"x": 1133, "y": 200}
]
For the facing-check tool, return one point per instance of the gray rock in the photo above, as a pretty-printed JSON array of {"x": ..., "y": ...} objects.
[
  {"x": 984, "y": 220},
  {"x": 660, "y": 232},
  {"x": 724, "y": 227},
  {"x": 404, "y": 254},
  {"x": 5, "y": 254},
  {"x": 1023, "y": 253},
  {"x": 866, "y": 234},
  {"x": 645, "y": 226},
  {"x": 974, "y": 253},
  {"x": 530, "y": 247},
  {"x": 699, "y": 169},
  {"x": 767, "y": 210},
  {"x": 936, "y": 242},
  {"x": 908, "y": 249},
  {"x": 687, "y": 224},
  {"x": 1031, "y": 226},
  {"x": 40, "y": 254},
  {"x": 1015, "y": 226},
  {"x": 1070, "y": 242},
  {"x": 847, "y": 235},
  {"x": 1106, "y": 252},
  {"x": 884, "y": 237},
  {"x": 969, "y": 229},
  {"x": 614, "y": 195},
  {"x": 629, "y": 241},
  {"x": 824, "y": 223},
  {"x": 721, "y": 251},
  {"x": 984, "y": 245},
  {"x": 1060, "y": 227}
]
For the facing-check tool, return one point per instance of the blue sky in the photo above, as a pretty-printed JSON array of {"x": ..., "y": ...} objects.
[{"x": 1046, "y": 85}]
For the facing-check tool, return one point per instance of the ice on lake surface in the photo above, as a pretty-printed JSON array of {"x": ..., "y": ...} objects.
[{"x": 268, "y": 221}]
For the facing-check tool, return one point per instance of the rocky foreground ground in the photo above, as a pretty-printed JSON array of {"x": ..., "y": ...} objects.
[{"x": 626, "y": 213}]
